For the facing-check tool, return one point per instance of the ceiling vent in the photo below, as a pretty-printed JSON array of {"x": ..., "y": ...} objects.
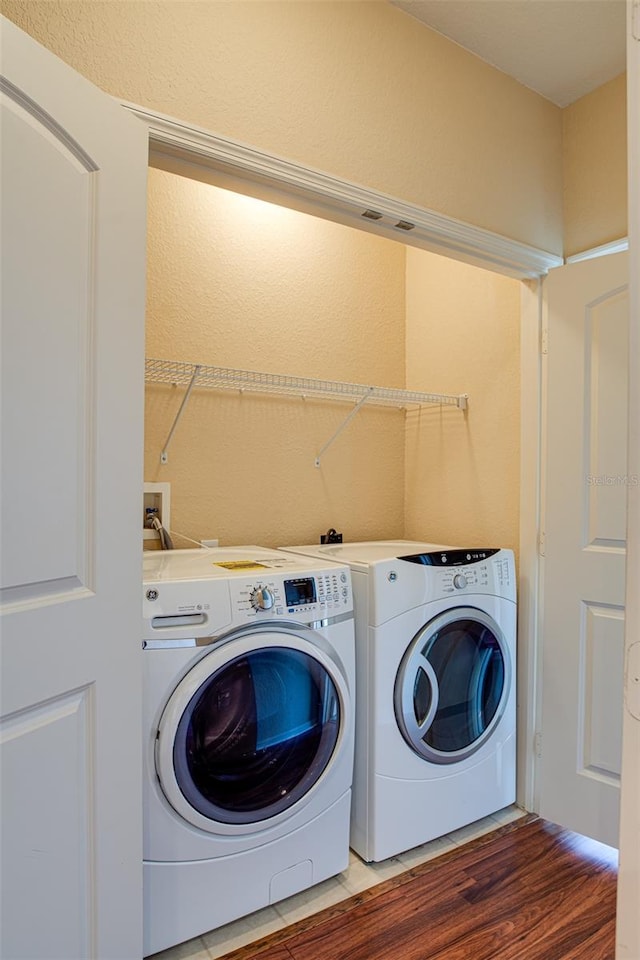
[{"x": 404, "y": 225}]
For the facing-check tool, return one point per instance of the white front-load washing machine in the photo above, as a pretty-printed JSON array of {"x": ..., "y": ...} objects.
[
  {"x": 435, "y": 677},
  {"x": 249, "y": 675}
]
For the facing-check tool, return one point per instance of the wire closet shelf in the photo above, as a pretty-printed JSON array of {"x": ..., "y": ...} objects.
[
  {"x": 225, "y": 378},
  {"x": 190, "y": 375}
]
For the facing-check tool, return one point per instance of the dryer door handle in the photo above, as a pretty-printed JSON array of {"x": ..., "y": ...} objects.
[
  {"x": 417, "y": 724},
  {"x": 424, "y": 664}
]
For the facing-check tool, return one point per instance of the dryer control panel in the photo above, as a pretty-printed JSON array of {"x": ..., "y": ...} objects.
[{"x": 474, "y": 570}]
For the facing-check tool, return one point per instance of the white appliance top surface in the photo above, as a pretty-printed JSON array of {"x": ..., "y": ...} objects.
[
  {"x": 224, "y": 562},
  {"x": 367, "y": 552},
  {"x": 395, "y": 587}
]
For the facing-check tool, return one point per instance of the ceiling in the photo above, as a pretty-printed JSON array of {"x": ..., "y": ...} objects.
[{"x": 562, "y": 49}]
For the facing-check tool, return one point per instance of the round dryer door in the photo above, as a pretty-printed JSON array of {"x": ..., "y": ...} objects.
[
  {"x": 250, "y": 730},
  {"x": 453, "y": 685}
]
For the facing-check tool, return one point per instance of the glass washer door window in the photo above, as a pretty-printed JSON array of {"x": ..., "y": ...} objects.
[
  {"x": 452, "y": 685},
  {"x": 256, "y": 735}
]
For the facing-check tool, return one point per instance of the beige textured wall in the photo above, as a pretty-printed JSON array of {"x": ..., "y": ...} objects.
[
  {"x": 237, "y": 282},
  {"x": 357, "y": 89},
  {"x": 462, "y": 478},
  {"x": 595, "y": 167}
]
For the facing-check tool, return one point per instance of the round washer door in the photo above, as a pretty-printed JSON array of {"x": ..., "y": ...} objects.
[
  {"x": 452, "y": 685},
  {"x": 249, "y": 732}
]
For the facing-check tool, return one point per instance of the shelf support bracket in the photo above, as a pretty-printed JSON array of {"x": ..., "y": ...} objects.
[
  {"x": 164, "y": 456},
  {"x": 345, "y": 423}
]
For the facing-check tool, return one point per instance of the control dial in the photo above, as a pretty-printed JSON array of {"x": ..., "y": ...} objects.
[
  {"x": 262, "y": 598},
  {"x": 459, "y": 581}
]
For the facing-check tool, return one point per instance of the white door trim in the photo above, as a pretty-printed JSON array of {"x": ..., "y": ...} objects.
[
  {"x": 628, "y": 918},
  {"x": 531, "y": 540},
  {"x": 616, "y": 246},
  {"x": 174, "y": 143}
]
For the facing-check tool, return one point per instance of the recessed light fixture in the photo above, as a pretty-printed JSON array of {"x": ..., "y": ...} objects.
[
  {"x": 404, "y": 225},
  {"x": 372, "y": 215}
]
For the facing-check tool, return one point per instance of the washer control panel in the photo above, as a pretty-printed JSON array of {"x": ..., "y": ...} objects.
[{"x": 308, "y": 598}]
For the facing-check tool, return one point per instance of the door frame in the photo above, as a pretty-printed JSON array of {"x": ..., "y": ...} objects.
[
  {"x": 192, "y": 151},
  {"x": 188, "y": 150},
  {"x": 628, "y": 921}
]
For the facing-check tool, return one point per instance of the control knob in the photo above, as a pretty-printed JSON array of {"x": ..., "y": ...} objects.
[
  {"x": 459, "y": 581},
  {"x": 262, "y": 598}
]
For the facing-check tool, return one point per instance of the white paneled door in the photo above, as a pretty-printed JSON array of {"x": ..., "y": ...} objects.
[
  {"x": 74, "y": 169},
  {"x": 584, "y": 545}
]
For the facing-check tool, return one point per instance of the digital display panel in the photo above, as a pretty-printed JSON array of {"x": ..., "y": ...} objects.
[{"x": 300, "y": 591}]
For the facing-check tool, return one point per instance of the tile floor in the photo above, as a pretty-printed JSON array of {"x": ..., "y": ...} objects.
[{"x": 359, "y": 876}]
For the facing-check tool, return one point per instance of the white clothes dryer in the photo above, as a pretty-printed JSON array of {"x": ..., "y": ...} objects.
[
  {"x": 435, "y": 679},
  {"x": 249, "y": 675}
]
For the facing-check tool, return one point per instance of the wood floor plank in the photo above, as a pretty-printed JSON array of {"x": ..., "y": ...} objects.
[
  {"x": 600, "y": 946},
  {"x": 564, "y": 899},
  {"x": 378, "y": 930},
  {"x": 554, "y": 853},
  {"x": 277, "y": 952},
  {"x": 533, "y": 892},
  {"x": 508, "y": 877},
  {"x": 530, "y": 928}
]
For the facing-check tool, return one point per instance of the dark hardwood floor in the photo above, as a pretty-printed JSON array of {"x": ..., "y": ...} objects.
[{"x": 529, "y": 891}]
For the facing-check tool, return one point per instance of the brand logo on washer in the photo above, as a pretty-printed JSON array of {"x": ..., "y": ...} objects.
[{"x": 152, "y": 594}]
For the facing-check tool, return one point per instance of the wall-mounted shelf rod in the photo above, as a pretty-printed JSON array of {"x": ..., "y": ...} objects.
[
  {"x": 164, "y": 456},
  {"x": 344, "y": 423},
  {"x": 225, "y": 378}
]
